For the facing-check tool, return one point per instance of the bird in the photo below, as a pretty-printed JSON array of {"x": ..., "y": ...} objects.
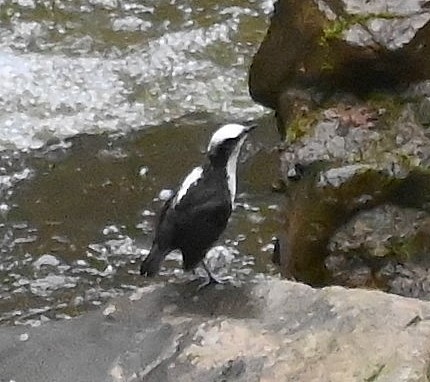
[{"x": 194, "y": 217}]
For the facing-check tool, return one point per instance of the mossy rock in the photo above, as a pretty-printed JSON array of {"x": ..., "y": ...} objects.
[
  {"x": 352, "y": 158},
  {"x": 342, "y": 45}
]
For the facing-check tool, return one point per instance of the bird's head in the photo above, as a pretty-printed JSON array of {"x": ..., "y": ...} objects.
[{"x": 227, "y": 141}]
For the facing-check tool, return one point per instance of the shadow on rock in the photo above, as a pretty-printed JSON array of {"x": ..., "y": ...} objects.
[{"x": 213, "y": 300}]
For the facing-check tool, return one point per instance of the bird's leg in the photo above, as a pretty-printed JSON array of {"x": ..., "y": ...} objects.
[{"x": 211, "y": 278}]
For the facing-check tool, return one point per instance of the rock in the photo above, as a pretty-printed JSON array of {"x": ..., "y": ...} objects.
[
  {"x": 383, "y": 247},
  {"x": 130, "y": 24},
  {"x": 165, "y": 194},
  {"x": 271, "y": 330},
  {"x": 379, "y": 231},
  {"x": 315, "y": 213},
  {"x": 143, "y": 171},
  {"x": 348, "y": 166},
  {"x": 351, "y": 144},
  {"x": 46, "y": 260},
  {"x": 23, "y": 337},
  {"x": 423, "y": 113},
  {"x": 43, "y": 286},
  {"x": 346, "y": 44}
]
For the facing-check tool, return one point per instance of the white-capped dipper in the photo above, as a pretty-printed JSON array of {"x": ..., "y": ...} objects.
[{"x": 196, "y": 215}]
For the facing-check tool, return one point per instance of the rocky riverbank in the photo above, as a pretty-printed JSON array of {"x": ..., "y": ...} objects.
[
  {"x": 267, "y": 330},
  {"x": 349, "y": 83}
]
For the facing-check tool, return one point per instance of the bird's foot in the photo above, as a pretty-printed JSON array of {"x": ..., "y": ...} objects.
[{"x": 211, "y": 279}]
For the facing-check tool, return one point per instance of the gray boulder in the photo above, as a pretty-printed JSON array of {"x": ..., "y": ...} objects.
[{"x": 267, "y": 331}]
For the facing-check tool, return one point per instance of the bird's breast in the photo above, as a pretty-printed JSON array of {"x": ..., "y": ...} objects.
[{"x": 231, "y": 170}]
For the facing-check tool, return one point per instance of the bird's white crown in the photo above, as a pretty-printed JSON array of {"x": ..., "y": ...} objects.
[{"x": 230, "y": 131}]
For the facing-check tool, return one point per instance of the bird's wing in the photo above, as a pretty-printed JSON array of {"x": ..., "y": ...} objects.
[
  {"x": 209, "y": 204},
  {"x": 188, "y": 183},
  {"x": 197, "y": 206},
  {"x": 202, "y": 204},
  {"x": 168, "y": 218}
]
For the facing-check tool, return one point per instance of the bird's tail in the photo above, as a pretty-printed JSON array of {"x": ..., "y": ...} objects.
[{"x": 152, "y": 262}]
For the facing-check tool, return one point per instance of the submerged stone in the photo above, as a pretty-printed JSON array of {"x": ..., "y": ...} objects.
[{"x": 46, "y": 260}]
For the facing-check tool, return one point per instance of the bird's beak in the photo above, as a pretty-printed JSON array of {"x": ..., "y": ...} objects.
[{"x": 251, "y": 127}]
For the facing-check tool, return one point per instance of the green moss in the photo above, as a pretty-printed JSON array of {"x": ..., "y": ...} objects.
[
  {"x": 391, "y": 105},
  {"x": 335, "y": 28},
  {"x": 327, "y": 65},
  {"x": 403, "y": 250},
  {"x": 299, "y": 126},
  {"x": 363, "y": 19},
  {"x": 386, "y": 100},
  {"x": 412, "y": 248}
]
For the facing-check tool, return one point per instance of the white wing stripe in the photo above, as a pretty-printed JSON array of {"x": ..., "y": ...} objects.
[{"x": 189, "y": 181}]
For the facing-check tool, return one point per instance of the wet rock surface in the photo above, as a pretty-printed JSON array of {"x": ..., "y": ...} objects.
[{"x": 267, "y": 330}]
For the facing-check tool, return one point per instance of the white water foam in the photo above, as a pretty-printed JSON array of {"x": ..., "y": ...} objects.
[{"x": 48, "y": 95}]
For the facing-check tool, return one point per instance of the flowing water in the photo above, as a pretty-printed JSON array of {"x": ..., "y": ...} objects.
[{"x": 104, "y": 106}]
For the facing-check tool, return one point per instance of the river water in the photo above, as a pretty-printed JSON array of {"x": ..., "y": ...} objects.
[{"x": 104, "y": 106}]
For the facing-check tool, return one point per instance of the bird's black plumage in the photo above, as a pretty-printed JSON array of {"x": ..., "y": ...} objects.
[{"x": 193, "y": 221}]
